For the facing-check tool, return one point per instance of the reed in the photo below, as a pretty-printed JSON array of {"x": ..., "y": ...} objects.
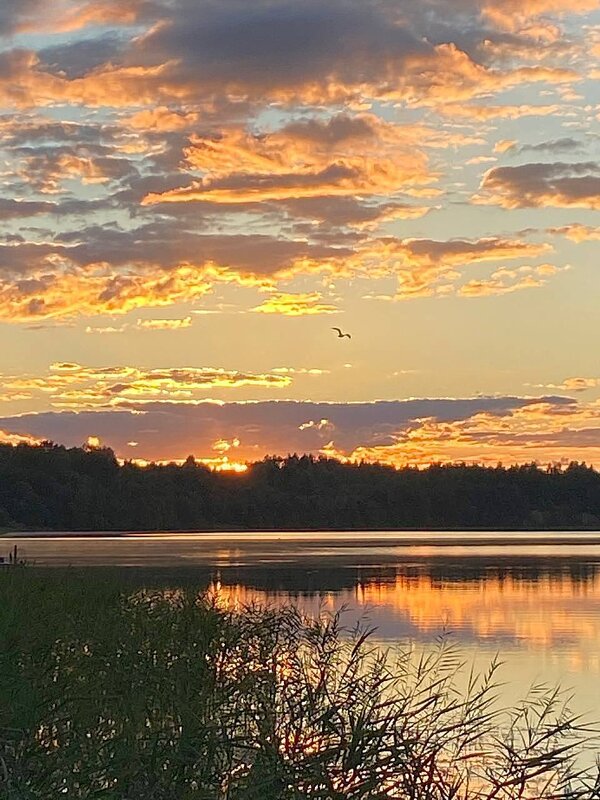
[{"x": 109, "y": 690}]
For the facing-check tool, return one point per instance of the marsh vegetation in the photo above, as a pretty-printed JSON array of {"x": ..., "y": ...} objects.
[{"x": 109, "y": 690}]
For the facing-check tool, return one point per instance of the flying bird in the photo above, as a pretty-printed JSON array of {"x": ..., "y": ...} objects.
[{"x": 340, "y": 334}]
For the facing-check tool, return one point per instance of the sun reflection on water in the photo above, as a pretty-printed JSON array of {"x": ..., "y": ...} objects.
[{"x": 542, "y": 612}]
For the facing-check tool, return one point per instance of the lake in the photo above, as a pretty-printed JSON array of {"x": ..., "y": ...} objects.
[{"x": 532, "y": 598}]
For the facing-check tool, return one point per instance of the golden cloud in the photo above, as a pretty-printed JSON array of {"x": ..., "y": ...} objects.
[
  {"x": 506, "y": 281},
  {"x": 543, "y": 432},
  {"x": 67, "y": 281},
  {"x": 98, "y": 291},
  {"x": 165, "y": 413},
  {"x": 347, "y": 155},
  {"x": 420, "y": 76},
  {"x": 16, "y": 438},
  {"x": 164, "y": 324},
  {"x": 295, "y": 305},
  {"x": 426, "y": 267},
  {"x": 161, "y": 119},
  {"x": 75, "y": 386},
  {"x": 572, "y": 384},
  {"x": 577, "y": 233},
  {"x": 108, "y": 329},
  {"x": 514, "y": 14},
  {"x": 352, "y": 136}
]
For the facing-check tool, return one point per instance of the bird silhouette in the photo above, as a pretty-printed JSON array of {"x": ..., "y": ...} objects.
[{"x": 340, "y": 334}]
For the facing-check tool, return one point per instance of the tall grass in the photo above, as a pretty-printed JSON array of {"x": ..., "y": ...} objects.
[{"x": 109, "y": 691}]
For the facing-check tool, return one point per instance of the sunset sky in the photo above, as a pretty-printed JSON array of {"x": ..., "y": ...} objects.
[{"x": 194, "y": 192}]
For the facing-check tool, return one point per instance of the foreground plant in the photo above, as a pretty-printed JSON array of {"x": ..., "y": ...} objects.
[{"x": 107, "y": 692}]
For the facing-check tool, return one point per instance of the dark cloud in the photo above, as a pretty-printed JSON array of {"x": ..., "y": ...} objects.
[
  {"x": 341, "y": 211},
  {"x": 14, "y": 14},
  {"x": 564, "y": 145},
  {"x": 333, "y": 131},
  {"x": 21, "y": 131},
  {"x": 15, "y": 209},
  {"x": 24, "y": 258},
  {"x": 45, "y": 167},
  {"x": 13, "y": 64},
  {"x": 270, "y": 46},
  {"x": 471, "y": 250},
  {"x": 168, "y": 430},
  {"x": 76, "y": 59},
  {"x": 535, "y": 185},
  {"x": 276, "y": 44},
  {"x": 159, "y": 245},
  {"x": 269, "y": 49},
  {"x": 334, "y": 174},
  {"x": 164, "y": 246}
]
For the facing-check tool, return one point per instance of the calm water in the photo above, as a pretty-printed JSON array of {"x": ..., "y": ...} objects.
[{"x": 532, "y": 598}]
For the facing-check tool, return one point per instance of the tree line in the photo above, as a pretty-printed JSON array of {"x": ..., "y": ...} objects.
[{"x": 51, "y": 487}]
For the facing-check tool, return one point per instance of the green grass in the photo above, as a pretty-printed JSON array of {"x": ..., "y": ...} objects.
[{"x": 109, "y": 690}]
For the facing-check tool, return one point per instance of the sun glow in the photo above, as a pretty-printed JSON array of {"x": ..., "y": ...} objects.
[{"x": 222, "y": 464}]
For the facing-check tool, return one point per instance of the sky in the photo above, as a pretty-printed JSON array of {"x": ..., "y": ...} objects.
[{"x": 194, "y": 192}]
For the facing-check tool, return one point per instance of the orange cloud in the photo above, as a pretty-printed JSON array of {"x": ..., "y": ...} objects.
[
  {"x": 426, "y": 267},
  {"x": 577, "y": 233},
  {"x": 193, "y": 54},
  {"x": 96, "y": 388},
  {"x": 14, "y": 396},
  {"x": 65, "y": 15},
  {"x": 25, "y": 85},
  {"x": 344, "y": 156},
  {"x": 542, "y": 432},
  {"x": 161, "y": 119},
  {"x": 506, "y": 281},
  {"x": 173, "y": 111},
  {"x": 224, "y": 446},
  {"x": 96, "y": 291},
  {"x": 514, "y": 14},
  {"x": 16, "y": 438},
  {"x": 159, "y": 408},
  {"x": 504, "y": 145},
  {"x": 65, "y": 281},
  {"x": 144, "y": 325}
]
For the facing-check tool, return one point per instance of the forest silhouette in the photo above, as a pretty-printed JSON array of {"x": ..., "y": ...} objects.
[{"x": 51, "y": 487}]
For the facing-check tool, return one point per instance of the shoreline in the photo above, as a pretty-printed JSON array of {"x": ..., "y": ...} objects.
[
  {"x": 20, "y": 533},
  {"x": 340, "y": 539}
]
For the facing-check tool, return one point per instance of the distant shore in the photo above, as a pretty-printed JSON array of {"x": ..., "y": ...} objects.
[
  {"x": 317, "y": 532},
  {"x": 350, "y": 538},
  {"x": 50, "y": 489}
]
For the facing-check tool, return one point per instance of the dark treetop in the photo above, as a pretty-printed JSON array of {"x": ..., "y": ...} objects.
[{"x": 55, "y": 488}]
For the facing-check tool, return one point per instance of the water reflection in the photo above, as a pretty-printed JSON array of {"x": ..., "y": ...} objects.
[
  {"x": 541, "y": 618},
  {"x": 535, "y": 602}
]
